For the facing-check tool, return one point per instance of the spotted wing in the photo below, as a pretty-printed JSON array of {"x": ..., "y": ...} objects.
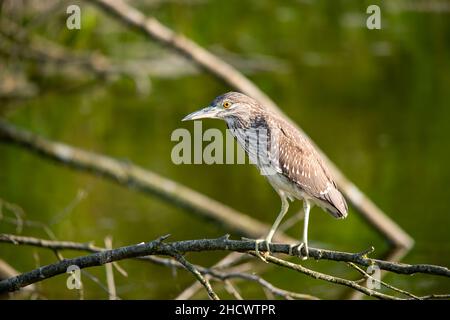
[{"x": 300, "y": 163}]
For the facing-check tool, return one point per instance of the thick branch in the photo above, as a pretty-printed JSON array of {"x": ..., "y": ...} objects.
[
  {"x": 217, "y": 272},
  {"x": 158, "y": 248}
]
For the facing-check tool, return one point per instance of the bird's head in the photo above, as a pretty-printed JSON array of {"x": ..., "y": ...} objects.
[{"x": 230, "y": 104}]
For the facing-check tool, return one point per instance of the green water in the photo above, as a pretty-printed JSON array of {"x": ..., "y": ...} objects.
[{"x": 376, "y": 101}]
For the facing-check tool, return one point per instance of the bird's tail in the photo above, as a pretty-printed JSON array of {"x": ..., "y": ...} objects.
[{"x": 337, "y": 206}]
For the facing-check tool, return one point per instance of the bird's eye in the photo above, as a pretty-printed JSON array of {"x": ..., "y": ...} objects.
[{"x": 226, "y": 104}]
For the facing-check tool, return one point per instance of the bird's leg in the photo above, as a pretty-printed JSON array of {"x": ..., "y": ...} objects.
[
  {"x": 268, "y": 239},
  {"x": 304, "y": 244},
  {"x": 306, "y": 208}
]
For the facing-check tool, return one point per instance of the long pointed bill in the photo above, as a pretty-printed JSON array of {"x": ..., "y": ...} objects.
[{"x": 208, "y": 112}]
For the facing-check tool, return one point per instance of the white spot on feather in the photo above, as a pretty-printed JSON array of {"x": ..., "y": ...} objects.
[{"x": 328, "y": 189}]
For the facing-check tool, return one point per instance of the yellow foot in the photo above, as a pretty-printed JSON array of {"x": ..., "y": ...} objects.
[{"x": 296, "y": 249}]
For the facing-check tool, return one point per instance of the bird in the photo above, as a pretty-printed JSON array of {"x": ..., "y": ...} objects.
[{"x": 284, "y": 155}]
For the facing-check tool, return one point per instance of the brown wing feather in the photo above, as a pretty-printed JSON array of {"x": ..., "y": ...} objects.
[{"x": 300, "y": 162}]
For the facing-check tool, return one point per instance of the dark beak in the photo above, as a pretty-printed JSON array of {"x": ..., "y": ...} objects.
[{"x": 208, "y": 112}]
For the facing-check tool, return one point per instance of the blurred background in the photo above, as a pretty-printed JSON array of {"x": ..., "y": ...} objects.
[{"x": 375, "y": 101}]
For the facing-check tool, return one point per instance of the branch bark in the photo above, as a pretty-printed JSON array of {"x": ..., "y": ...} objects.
[
  {"x": 157, "y": 247},
  {"x": 222, "y": 272}
]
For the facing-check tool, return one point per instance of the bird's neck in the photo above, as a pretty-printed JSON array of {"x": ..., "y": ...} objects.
[
  {"x": 245, "y": 123},
  {"x": 237, "y": 123},
  {"x": 253, "y": 134}
]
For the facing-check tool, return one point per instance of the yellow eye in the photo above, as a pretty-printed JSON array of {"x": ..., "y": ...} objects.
[{"x": 226, "y": 104}]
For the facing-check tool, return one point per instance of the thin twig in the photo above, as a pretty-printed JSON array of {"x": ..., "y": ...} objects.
[
  {"x": 232, "y": 290},
  {"x": 329, "y": 278},
  {"x": 189, "y": 266},
  {"x": 16, "y": 211},
  {"x": 435, "y": 297},
  {"x": 387, "y": 285},
  {"x": 265, "y": 284}
]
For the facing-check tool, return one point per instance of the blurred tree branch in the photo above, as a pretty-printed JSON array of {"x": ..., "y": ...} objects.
[
  {"x": 176, "y": 249},
  {"x": 17, "y": 42}
]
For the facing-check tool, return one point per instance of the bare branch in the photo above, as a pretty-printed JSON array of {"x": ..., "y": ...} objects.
[
  {"x": 265, "y": 284},
  {"x": 232, "y": 290},
  {"x": 175, "y": 249},
  {"x": 368, "y": 276},
  {"x": 332, "y": 279},
  {"x": 435, "y": 297},
  {"x": 225, "y": 244},
  {"x": 190, "y": 267}
]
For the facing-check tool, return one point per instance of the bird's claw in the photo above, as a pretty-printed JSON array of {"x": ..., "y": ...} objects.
[
  {"x": 298, "y": 250},
  {"x": 263, "y": 255},
  {"x": 260, "y": 255}
]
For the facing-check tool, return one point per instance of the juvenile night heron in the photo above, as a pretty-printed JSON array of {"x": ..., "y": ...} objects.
[{"x": 284, "y": 155}]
